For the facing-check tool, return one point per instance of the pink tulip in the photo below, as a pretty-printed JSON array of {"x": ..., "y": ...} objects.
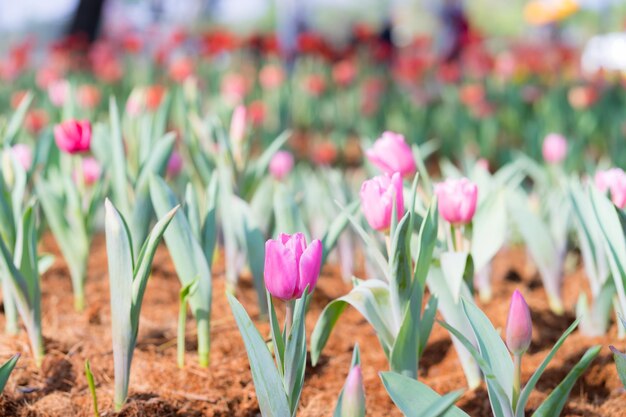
[
  {"x": 271, "y": 77},
  {"x": 614, "y": 181},
  {"x": 281, "y": 164},
  {"x": 291, "y": 265},
  {"x": 91, "y": 170},
  {"x": 378, "y": 196},
  {"x": 554, "y": 148},
  {"x": 353, "y": 400},
  {"x": 58, "y": 92},
  {"x": 174, "y": 165},
  {"x": 457, "y": 200},
  {"x": 23, "y": 155},
  {"x": 391, "y": 153},
  {"x": 238, "y": 125},
  {"x": 73, "y": 136},
  {"x": 519, "y": 328}
]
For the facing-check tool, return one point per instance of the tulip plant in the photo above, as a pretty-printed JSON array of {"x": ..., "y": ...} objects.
[
  {"x": 620, "y": 359},
  {"x": 70, "y": 200},
  {"x": 392, "y": 306},
  {"x": 128, "y": 276},
  {"x": 6, "y": 369},
  {"x": 190, "y": 240},
  {"x": 351, "y": 402},
  {"x": 502, "y": 376},
  {"x": 291, "y": 271}
]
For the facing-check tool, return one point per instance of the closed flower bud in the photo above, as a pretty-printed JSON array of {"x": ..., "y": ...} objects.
[
  {"x": 174, "y": 165},
  {"x": 73, "y": 136},
  {"x": 456, "y": 199},
  {"x": 291, "y": 265},
  {"x": 613, "y": 181},
  {"x": 91, "y": 170},
  {"x": 519, "y": 327},
  {"x": 378, "y": 196},
  {"x": 391, "y": 153},
  {"x": 353, "y": 400},
  {"x": 554, "y": 148},
  {"x": 23, "y": 155},
  {"x": 281, "y": 164}
]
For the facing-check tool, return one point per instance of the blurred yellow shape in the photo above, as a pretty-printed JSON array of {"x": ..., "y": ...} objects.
[{"x": 541, "y": 12}]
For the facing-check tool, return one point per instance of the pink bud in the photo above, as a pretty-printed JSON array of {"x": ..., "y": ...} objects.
[
  {"x": 483, "y": 164},
  {"x": 134, "y": 103},
  {"x": 73, "y": 136},
  {"x": 554, "y": 148},
  {"x": 238, "y": 124},
  {"x": 457, "y": 200},
  {"x": 519, "y": 328},
  {"x": 91, "y": 170},
  {"x": 281, "y": 164},
  {"x": 614, "y": 181},
  {"x": 58, "y": 91},
  {"x": 271, "y": 77},
  {"x": 377, "y": 199},
  {"x": 23, "y": 155},
  {"x": 291, "y": 265},
  {"x": 174, "y": 164},
  {"x": 353, "y": 400},
  {"x": 391, "y": 153}
]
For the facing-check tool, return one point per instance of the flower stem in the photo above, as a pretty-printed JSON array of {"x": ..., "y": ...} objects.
[
  {"x": 458, "y": 238},
  {"x": 289, "y": 316},
  {"x": 517, "y": 378}
]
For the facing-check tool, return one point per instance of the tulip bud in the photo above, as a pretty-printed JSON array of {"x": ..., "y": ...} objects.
[
  {"x": 271, "y": 77},
  {"x": 73, "y": 136},
  {"x": 91, "y": 170},
  {"x": 58, "y": 91},
  {"x": 519, "y": 327},
  {"x": 391, "y": 153},
  {"x": 291, "y": 265},
  {"x": 554, "y": 148},
  {"x": 457, "y": 200},
  {"x": 174, "y": 165},
  {"x": 353, "y": 400},
  {"x": 23, "y": 155},
  {"x": 281, "y": 165},
  {"x": 378, "y": 196},
  {"x": 614, "y": 181},
  {"x": 135, "y": 102}
]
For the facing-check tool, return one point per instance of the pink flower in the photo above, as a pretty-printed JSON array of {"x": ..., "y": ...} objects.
[
  {"x": 457, "y": 200},
  {"x": 174, "y": 164},
  {"x": 73, "y": 136},
  {"x": 391, "y": 153},
  {"x": 353, "y": 403},
  {"x": 614, "y": 181},
  {"x": 291, "y": 265},
  {"x": 271, "y": 77},
  {"x": 238, "y": 125},
  {"x": 91, "y": 170},
  {"x": 281, "y": 164},
  {"x": 554, "y": 148},
  {"x": 378, "y": 196},
  {"x": 58, "y": 92},
  {"x": 23, "y": 155},
  {"x": 519, "y": 326}
]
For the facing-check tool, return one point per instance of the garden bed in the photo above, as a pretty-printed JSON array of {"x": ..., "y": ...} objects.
[{"x": 159, "y": 388}]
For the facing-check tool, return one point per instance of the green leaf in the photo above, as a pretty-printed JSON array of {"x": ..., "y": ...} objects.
[
  {"x": 416, "y": 399},
  {"x": 405, "y": 352},
  {"x": 489, "y": 229},
  {"x": 620, "y": 363},
  {"x": 6, "y": 369},
  {"x": 428, "y": 319},
  {"x": 530, "y": 385},
  {"x": 117, "y": 159},
  {"x": 427, "y": 239},
  {"x": 371, "y": 299},
  {"x": 553, "y": 405},
  {"x": 16, "y": 120},
  {"x": 267, "y": 381},
  {"x": 92, "y": 388},
  {"x": 277, "y": 336},
  {"x": 336, "y": 228},
  {"x": 453, "y": 268},
  {"x": 295, "y": 353}
]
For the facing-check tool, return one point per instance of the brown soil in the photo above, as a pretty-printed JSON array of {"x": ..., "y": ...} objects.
[{"x": 159, "y": 388}]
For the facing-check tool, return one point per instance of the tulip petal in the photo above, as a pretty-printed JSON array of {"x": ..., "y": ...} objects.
[
  {"x": 310, "y": 264},
  {"x": 280, "y": 270}
]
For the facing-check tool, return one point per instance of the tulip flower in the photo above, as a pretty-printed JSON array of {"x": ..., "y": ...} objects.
[
  {"x": 457, "y": 200},
  {"x": 271, "y": 77},
  {"x": 73, "y": 136},
  {"x": 378, "y": 196},
  {"x": 174, "y": 165},
  {"x": 58, "y": 91},
  {"x": 613, "y": 181},
  {"x": 554, "y": 148},
  {"x": 88, "y": 96},
  {"x": 353, "y": 404},
  {"x": 519, "y": 332},
  {"x": 291, "y": 265},
  {"x": 391, "y": 153},
  {"x": 23, "y": 155},
  {"x": 281, "y": 165},
  {"x": 91, "y": 170}
]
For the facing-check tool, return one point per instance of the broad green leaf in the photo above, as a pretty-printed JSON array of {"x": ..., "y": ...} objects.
[
  {"x": 416, "y": 399},
  {"x": 267, "y": 381},
  {"x": 405, "y": 351},
  {"x": 620, "y": 363},
  {"x": 553, "y": 405},
  {"x": 295, "y": 353},
  {"x": 400, "y": 268},
  {"x": 371, "y": 299},
  {"x": 117, "y": 160},
  {"x": 453, "y": 268},
  {"x": 6, "y": 369},
  {"x": 17, "y": 119},
  {"x": 427, "y": 240},
  {"x": 489, "y": 229}
]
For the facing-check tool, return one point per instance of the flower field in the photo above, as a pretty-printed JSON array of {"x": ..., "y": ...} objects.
[{"x": 203, "y": 226}]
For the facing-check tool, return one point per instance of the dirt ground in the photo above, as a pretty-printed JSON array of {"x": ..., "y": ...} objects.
[{"x": 159, "y": 388}]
